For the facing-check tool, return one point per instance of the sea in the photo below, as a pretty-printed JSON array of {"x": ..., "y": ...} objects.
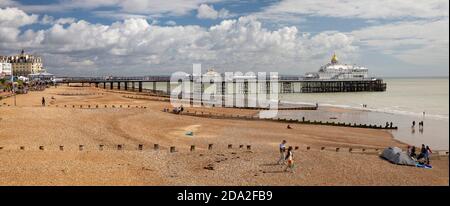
[{"x": 405, "y": 100}]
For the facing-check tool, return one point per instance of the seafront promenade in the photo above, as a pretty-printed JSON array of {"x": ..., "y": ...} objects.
[{"x": 94, "y": 136}]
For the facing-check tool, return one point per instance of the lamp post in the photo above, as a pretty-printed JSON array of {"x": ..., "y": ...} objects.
[{"x": 12, "y": 86}]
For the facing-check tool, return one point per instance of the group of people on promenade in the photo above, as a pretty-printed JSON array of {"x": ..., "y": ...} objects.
[{"x": 286, "y": 156}]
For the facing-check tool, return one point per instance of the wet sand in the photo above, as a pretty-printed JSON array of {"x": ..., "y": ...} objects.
[
  {"x": 435, "y": 132},
  {"x": 31, "y": 125}
]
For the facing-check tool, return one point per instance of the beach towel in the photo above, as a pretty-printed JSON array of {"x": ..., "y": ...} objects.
[{"x": 424, "y": 166}]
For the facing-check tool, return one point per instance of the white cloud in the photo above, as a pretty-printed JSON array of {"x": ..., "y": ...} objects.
[
  {"x": 46, "y": 19},
  {"x": 415, "y": 42},
  {"x": 120, "y": 16},
  {"x": 170, "y": 23},
  {"x": 6, "y": 3},
  {"x": 366, "y": 9},
  {"x": 134, "y": 46},
  {"x": 208, "y": 12},
  {"x": 130, "y": 7},
  {"x": 13, "y": 17}
]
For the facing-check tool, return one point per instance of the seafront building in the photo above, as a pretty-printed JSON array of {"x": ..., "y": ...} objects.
[
  {"x": 5, "y": 67},
  {"x": 24, "y": 64}
]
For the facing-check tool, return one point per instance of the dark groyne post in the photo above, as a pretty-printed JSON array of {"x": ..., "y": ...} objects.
[{"x": 140, "y": 86}]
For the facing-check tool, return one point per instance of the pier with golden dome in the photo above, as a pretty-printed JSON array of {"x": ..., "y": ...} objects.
[{"x": 331, "y": 77}]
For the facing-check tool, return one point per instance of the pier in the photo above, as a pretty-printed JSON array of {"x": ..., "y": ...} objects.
[{"x": 284, "y": 84}]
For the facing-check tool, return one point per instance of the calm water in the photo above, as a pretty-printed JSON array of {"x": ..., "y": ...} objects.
[
  {"x": 403, "y": 96},
  {"x": 404, "y": 101}
]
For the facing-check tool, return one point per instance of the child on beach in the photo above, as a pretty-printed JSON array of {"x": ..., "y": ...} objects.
[
  {"x": 427, "y": 154},
  {"x": 282, "y": 151},
  {"x": 290, "y": 160}
]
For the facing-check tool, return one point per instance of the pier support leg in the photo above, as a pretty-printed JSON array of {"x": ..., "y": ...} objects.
[
  {"x": 104, "y": 85},
  {"x": 140, "y": 86},
  {"x": 132, "y": 86},
  {"x": 223, "y": 93},
  {"x": 154, "y": 87},
  {"x": 126, "y": 86},
  {"x": 96, "y": 85},
  {"x": 118, "y": 85},
  {"x": 111, "y": 85},
  {"x": 245, "y": 93},
  {"x": 168, "y": 88}
]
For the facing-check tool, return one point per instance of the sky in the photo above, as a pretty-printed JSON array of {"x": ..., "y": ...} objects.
[{"x": 153, "y": 37}]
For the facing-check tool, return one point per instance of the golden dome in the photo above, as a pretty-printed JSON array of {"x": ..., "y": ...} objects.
[{"x": 334, "y": 59}]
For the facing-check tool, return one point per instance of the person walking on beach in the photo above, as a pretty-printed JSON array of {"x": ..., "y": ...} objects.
[
  {"x": 427, "y": 154},
  {"x": 282, "y": 152},
  {"x": 413, "y": 123},
  {"x": 43, "y": 101},
  {"x": 290, "y": 160}
]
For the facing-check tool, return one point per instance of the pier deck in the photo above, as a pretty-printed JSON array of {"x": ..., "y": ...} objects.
[{"x": 284, "y": 85}]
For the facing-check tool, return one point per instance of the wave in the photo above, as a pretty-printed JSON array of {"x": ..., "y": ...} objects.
[{"x": 381, "y": 110}]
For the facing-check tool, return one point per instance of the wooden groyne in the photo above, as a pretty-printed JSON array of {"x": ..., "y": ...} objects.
[
  {"x": 193, "y": 148},
  {"x": 284, "y": 120}
]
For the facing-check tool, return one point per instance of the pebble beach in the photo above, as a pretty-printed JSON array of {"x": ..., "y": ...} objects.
[{"x": 59, "y": 144}]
